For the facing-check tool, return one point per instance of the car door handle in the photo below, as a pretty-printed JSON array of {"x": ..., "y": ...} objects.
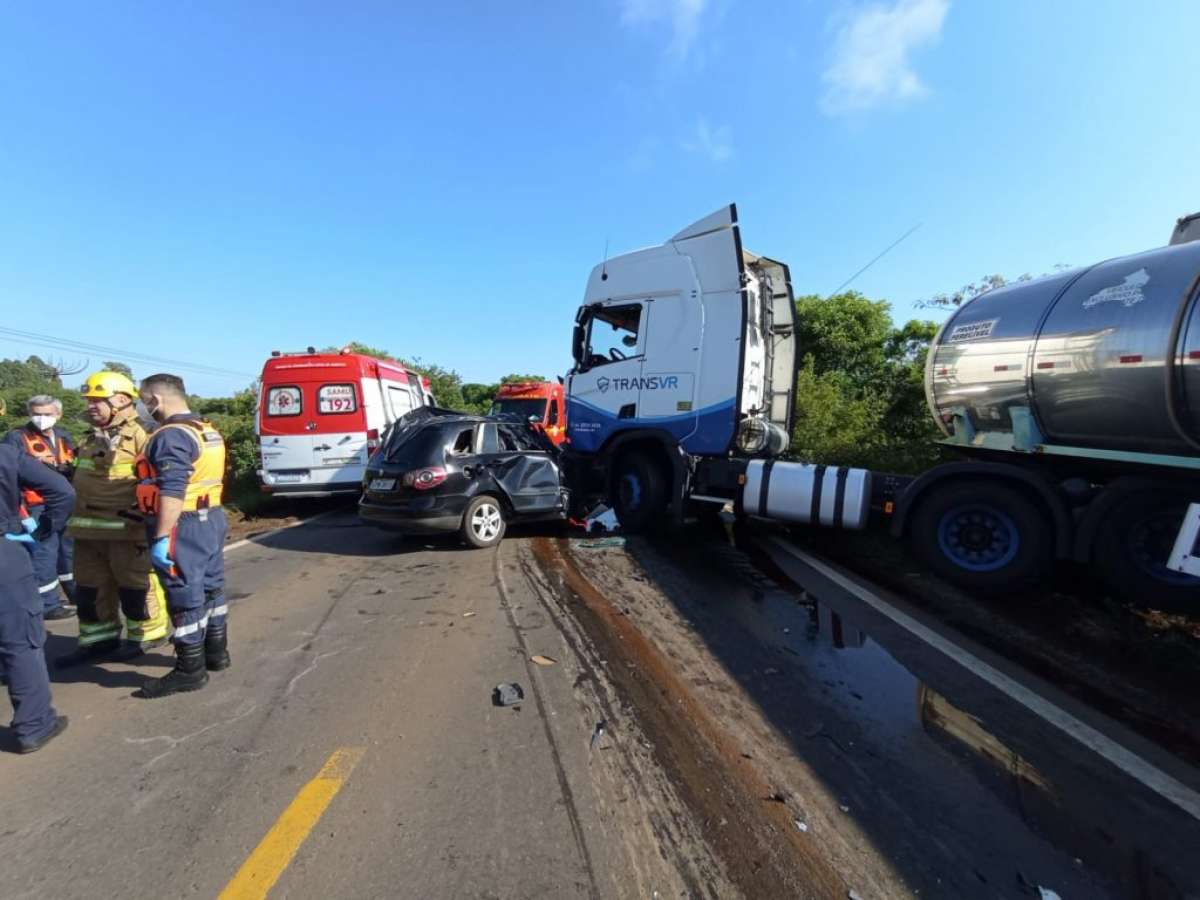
[{"x": 322, "y": 447}]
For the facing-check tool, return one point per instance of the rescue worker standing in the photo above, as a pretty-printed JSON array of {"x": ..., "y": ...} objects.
[
  {"x": 22, "y": 631},
  {"x": 180, "y": 473},
  {"x": 112, "y": 558},
  {"x": 52, "y": 557}
]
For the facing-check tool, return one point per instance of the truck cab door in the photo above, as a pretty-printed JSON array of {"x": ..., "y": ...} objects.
[{"x": 606, "y": 383}]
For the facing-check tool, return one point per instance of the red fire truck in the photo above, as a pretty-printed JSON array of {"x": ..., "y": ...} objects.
[{"x": 537, "y": 401}]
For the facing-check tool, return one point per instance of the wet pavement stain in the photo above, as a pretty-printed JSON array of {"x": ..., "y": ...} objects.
[{"x": 913, "y": 769}]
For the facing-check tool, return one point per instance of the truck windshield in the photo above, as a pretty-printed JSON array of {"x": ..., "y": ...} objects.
[{"x": 523, "y": 407}]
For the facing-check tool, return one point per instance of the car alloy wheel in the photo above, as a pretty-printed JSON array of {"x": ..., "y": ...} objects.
[{"x": 485, "y": 522}]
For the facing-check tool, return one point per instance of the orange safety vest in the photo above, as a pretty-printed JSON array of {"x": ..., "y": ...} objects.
[
  {"x": 53, "y": 454},
  {"x": 208, "y": 472}
]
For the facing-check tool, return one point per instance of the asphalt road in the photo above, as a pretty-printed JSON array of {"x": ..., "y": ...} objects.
[
  {"x": 757, "y": 742},
  {"x": 347, "y": 640}
]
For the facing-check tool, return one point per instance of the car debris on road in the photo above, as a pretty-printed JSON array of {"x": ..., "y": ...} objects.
[{"x": 508, "y": 694}]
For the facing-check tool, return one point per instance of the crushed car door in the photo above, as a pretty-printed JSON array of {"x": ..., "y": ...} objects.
[{"x": 522, "y": 468}]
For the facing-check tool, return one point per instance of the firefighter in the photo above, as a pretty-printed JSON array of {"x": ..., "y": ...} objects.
[
  {"x": 52, "y": 558},
  {"x": 22, "y": 631},
  {"x": 112, "y": 558},
  {"x": 180, "y": 479}
]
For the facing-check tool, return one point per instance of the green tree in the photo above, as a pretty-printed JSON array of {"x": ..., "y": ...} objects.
[
  {"x": 364, "y": 349},
  {"x": 113, "y": 366},
  {"x": 844, "y": 333},
  {"x": 860, "y": 396},
  {"x": 446, "y": 384},
  {"x": 517, "y": 379},
  {"x": 234, "y": 417},
  {"x": 21, "y": 380},
  {"x": 477, "y": 398}
]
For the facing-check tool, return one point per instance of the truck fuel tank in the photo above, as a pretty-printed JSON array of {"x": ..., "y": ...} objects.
[{"x": 837, "y": 497}]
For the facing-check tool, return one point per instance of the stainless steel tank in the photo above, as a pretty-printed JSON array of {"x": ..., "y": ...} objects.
[{"x": 1105, "y": 357}]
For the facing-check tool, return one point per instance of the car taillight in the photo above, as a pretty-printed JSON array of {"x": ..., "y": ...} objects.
[
  {"x": 424, "y": 479},
  {"x": 372, "y": 440}
]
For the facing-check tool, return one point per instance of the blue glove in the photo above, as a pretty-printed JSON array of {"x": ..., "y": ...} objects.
[
  {"x": 20, "y": 538},
  {"x": 30, "y": 524},
  {"x": 158, "y": 554}
]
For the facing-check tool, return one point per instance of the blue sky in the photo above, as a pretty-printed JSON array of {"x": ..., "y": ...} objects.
[{"x": 207, "y": 182}]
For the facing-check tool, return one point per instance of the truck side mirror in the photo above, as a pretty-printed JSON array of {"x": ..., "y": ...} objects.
[{"x": 577, "y": 339}]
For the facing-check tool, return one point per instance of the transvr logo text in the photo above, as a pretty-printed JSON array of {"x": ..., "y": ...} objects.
[{"x": 648, "y": 383}]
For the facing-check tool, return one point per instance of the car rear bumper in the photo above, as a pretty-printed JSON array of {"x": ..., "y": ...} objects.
[
  {"x": 394, "y": 517},
  {"x": 302, "y": 489}
]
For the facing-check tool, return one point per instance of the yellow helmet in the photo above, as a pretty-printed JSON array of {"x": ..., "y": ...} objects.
[{"x": 103, "y": 385}]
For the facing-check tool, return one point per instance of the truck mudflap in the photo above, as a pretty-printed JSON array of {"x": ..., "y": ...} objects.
[{"x": 834, "y": 496}]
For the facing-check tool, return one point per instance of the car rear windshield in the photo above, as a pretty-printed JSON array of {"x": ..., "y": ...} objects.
[
  {"x": 526, "y": 407},
  {"x": 423, "y": 443},
  {"x": 402, "y": 433}
]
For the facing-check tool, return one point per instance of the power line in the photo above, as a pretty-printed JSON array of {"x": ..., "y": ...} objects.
[
  {"x": 886, "y": 251},
  {"x": 57, "y": 343}
]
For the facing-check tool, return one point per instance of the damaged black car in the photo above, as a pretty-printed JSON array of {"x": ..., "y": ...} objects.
[{"x": 440, "y": 472}]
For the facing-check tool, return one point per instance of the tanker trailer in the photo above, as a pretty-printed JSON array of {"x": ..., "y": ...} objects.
[{"x": 1075, "y": 399}]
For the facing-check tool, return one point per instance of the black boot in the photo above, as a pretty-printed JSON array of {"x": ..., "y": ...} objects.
[
  {"x": 216, "y": 648},
  {"x": 82, "y": 656},
  {"x": 188, "y": 674},
  {"x": 131, "y": 650}
]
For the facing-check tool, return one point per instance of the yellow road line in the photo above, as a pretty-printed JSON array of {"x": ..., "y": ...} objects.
[{"x": 274, "y": 852}]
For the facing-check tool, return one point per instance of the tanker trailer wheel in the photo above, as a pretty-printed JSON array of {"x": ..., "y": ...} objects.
[
  {"x": 983, "y": 536},
  {"x": 1131, "y": 549},
  {"x": 640, "y": 492}
]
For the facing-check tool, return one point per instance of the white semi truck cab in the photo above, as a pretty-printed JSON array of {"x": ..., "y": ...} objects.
[
  {"x": 681, "y": 392},
  {"x": 694, "y": 339}
]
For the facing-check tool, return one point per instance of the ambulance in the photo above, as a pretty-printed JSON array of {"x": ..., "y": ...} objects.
[{"x": 321, "y": 415}]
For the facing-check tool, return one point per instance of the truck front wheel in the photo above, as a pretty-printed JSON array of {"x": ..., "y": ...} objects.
[
  {"x": 983, "y": 536},
  {"x": 639, "y": 494},
  {"x": 1131, "y": 549}
]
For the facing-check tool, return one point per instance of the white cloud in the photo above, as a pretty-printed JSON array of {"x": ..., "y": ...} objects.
[
  {"x": 714, "y": 143},
  {"x": 870, "y": 63},
  {"x": 681, "y": 16}
]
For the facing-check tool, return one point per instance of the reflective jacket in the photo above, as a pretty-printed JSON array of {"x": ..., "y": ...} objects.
[
  {"x": 56, "y": 452},
  {"x": 105, "y": 483},
  {"x": 207, "y": 474}
]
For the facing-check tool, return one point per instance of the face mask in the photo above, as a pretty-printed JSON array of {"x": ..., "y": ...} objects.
[
  {"x": 155, "y": 412},
  {"x": 43, "y": 423}
]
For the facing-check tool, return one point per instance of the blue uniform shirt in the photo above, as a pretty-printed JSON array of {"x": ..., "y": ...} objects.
[
  {"x": 19, "y": 470},
  {"x": 173, "y": 455}
]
